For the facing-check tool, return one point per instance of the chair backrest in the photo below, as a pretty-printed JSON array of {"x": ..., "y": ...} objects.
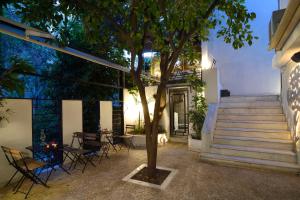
[
  {"x": 7, "y": 154},
  {"x": 92, "y": 141},
  {"x": 130, "y": 127},
  {"x": 16, "y": 154},
  {"x": 77, "y": 136}
]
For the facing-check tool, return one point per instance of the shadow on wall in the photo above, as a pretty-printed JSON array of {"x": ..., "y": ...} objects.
[{"x": 293, "y": 98}]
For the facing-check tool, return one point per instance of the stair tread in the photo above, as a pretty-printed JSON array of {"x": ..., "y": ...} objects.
[
  {"x": 251, "y": 160},
  {"x": 254, "y": 130},
  {"x": 251, "y": 121},
  {"x": 251, "y": 114},
  {"x": 253, "y": 149},
  {"x": 253, "y": 139},
  {"x": 258, "y": 108},
  {"x": 247, "y": 105},
  {"x": 253, "y": 96}
]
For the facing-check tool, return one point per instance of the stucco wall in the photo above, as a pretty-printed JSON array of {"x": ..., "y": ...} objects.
[
  {"x": 132, "y": 108},
  {"x": 106, "y": 114},
  {"x": 212, "y": 88},
  {"x": 72, "y": 119},
  {"x": 248, "y": 71},
  {"x": 16, "y": 134},
  {"x": 292, "y": 115},
  {"x": 283, "y": 4}
]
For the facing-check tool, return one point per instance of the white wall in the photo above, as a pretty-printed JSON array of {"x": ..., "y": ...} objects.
[
  {"x": 283, "y": 4},
  {"x": 248, "y": 71},
  {"x": 106, "y": 113},
  {"x": 16, "y": 134},
  {"x": 212, "y": 88},
  {"x": 132, "y": 108},
  {"x": 72, "y": 119},
  {"x": 291, "y": 115}
]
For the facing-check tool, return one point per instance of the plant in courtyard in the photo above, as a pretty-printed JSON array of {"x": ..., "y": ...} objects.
[
  {"x": 139, "y": 131},
  {"x": 10, "y": 77},
  {"x": 165, "y": 26},
  {"x": 11, "y": 81},
  {"x": 199, "y": 108}
]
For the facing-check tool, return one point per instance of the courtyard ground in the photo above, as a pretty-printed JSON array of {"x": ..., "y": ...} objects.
[{"x": 194, "y": 180}]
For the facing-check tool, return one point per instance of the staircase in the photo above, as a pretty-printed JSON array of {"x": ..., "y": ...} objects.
[{"x": 252, "y": 132}]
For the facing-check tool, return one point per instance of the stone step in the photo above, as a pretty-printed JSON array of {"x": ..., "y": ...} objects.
[
  {"x": 257, "y": 111},
  {"x": 249, "y": 98},
  {"x": 250, "y": 104},
  {"x": 252, "y": 124},
  {"x": 257, "y": 153},
  {"x": 254, "y": 142},
  {"x": 241, "y": 132},
  {"x": 252, "y": 117},
  {"x": 250, "y": 162}
]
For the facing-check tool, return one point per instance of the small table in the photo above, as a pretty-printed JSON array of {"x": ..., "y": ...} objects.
[
  {"x": 129, "y": 139},
  {"x": 109, "y": 137},
  {"x": 49, "y": 158}
]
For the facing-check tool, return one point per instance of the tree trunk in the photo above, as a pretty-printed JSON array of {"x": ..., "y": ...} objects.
[
  {"x": 151, "y": 154},
  {"x": 152, "y": 130}
]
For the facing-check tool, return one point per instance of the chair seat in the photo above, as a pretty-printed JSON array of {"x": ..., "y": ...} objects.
[{"x": 31, "y": 164}]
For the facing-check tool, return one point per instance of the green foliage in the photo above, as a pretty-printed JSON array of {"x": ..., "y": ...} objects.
[
  {"x": 235, "y": 27},
  {"x": 82, "y": 79},
  {"x": 163, "y": 22},
  {"x": 4, "y": 111},
  {"x": 198, "y": 113},
  {"x": 132, "y": 88},
  {"x": 10, "y": 78},
  {"x": 10, "y": 81},
  {"x": 139, "y": 131}
]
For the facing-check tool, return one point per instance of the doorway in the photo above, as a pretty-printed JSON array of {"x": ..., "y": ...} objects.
[{"x": 179, "y": 112}]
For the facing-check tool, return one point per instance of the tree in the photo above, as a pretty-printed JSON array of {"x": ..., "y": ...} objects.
[
  {"x": 10, "y": 78},
  {"x": 170, "y": 27},
  {"x": 11, "y": 81}
]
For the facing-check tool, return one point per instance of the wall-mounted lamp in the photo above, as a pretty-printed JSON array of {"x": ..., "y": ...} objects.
[{"x": 296, "y": 57}]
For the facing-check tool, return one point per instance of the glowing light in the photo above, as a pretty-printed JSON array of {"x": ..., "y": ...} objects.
[
  {"x": 133, "y": 109},
  {"x": 148, "y": 54}
]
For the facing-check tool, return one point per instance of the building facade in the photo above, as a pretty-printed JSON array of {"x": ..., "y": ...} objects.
[{"x": 285, "y": 40}]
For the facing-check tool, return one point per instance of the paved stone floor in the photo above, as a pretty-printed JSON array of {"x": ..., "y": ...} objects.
[{"x": 195, "y": 180}]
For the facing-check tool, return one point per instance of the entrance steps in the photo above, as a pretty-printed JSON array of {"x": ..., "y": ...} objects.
[{"x": 252, "y": 132}]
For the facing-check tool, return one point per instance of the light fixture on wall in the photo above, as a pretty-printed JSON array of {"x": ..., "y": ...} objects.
[{"x": 296, "y": 57}]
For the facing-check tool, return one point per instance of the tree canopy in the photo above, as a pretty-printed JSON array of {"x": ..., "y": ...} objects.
[{"x": 170, "y": 27}]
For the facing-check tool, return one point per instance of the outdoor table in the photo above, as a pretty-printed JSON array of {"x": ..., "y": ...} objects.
[
  {"x": 109, "y": 137},
  {"x": 50, "y": 152}
]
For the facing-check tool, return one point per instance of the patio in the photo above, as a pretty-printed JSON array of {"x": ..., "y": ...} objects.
[{"x": 195, "y": 180}]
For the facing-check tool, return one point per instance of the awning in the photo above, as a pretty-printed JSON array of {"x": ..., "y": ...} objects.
[{"x": 36, "y": 36}]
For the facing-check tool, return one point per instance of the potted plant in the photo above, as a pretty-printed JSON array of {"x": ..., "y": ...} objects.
[{"x": 198, "y": 112}]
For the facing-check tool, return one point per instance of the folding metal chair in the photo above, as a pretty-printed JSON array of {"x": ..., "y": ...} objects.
[
  {"x": 88, "y": 146},
  {"x": 10, "y": 161},
  {"x": 29, "y": 168},
  {"x": 92, "y": 144}
]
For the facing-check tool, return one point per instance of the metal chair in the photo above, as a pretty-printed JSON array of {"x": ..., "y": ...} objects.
[
  {"x": 28, "y": 167},
  {"x": 11, "y": 163}
]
